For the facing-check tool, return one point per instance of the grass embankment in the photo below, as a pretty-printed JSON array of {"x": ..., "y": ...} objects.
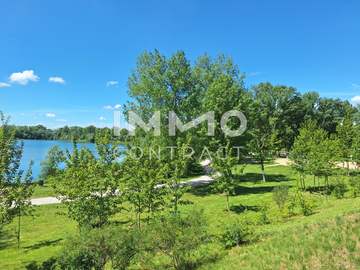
[{"x": 285, "y": 243}]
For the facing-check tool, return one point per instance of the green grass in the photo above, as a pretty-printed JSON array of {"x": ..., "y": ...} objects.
[
  {"x": 43, "y": 191},
  {"x": 330, "y": 244},
  {"x": 44, "y": 234}
]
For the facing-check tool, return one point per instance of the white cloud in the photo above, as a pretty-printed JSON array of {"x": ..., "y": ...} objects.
[
  {"x": 112, "y": 83},
  {"x": 108, "y": 107},
  {"x": 356, "y": 100},
  {"x": 23, "y": 77},
  {"x": 56, "y": 79},
  {"x": 102, "y": 118},
  {"x": 50, "y": 115},
  {"x": 117, "y": 106},
  {"x": 4, "y": 85},
  {"x": 355, "y": 86}
]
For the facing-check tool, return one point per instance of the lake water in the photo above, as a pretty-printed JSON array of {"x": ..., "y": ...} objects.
[{"x": 36, "y": 150}]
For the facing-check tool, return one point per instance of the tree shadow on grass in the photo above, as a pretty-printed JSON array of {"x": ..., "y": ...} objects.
[
  {"x": 5, "y": 239},
  {"x": 257, "y": 177},
  {"x": 41, "y": 244},
  {"x": 238, "y": 209},
  {"x": 243, "y": 190},
  {"x": 324, "y": 190},
  {"x": 239, "y": 190}
]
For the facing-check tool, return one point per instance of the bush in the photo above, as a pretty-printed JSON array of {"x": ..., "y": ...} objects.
[
  {"x": 280, "y": 196},
  {"x": 179, "y": 238},
  {"x": 94, "y": 249},
  {"x": 307, "y": 205},
  {"x": 354, "y": 183},
  {"x": 339, "y": 189},
  {"x": 235, "y": 234}
]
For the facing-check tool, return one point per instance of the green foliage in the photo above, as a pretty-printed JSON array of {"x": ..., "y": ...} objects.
[
  {"x": 143, "y": 177},
  {"x": 354, "y": 183},
  {"x": 15, "y": 186},
  {"x": 178, "y": 237},
  {"x": 98, "y": 248},
  {"x": 314, "y": 152},
  {"x": 223, "y": 164},
  {"x": 307, "y": 205},
  {"x": 84, "y": 134},
  {"x": 280, "y": 195},
  {"x": 339, "y": 188},
  {"x": 235, "y": 234},
  {"x": 89, "y": 185},
  {"x": 50, "y": 166}
]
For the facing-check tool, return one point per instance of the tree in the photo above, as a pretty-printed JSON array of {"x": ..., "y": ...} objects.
[
  {"x": 15, "y": 187},
  {"x": 301, "y": 150},
  {"x": 89, "y": 186},
  {"x": 355, "y": 153},
  {"x": 178, "y": 237},
  {"x": 175, "y": 168},
  {"x": 315, "y": 152},
  {"x": 264, "y": 141},
  {"x": 143, "y": 177},
  {"x": 50, "y": 166},
  {"x": 21, "y": 192},
  {"x": 346, "y": 135},
  {"x": 224, "y": 164}
]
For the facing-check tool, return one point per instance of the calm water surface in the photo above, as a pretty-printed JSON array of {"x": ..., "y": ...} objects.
[{"x": 36, "y": 150}]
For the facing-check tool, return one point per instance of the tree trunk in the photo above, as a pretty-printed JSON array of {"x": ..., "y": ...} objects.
[
  {"x": 18, "y": 229},
  {"x": 263, "y": 170},
  {"x": 227, "y": 202}
]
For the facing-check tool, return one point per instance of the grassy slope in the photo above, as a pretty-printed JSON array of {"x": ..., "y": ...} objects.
[
  {"x": 330, "y": 244},
  {"x": 45, "y": 232}
]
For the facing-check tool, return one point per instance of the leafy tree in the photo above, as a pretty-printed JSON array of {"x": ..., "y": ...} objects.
[
  {"x": 51, "y": 165},
  {"x": 178, "y": 237},
  {"x": 315, "y": 153},
  {"x": 21, "y": 192},
  {"x": 175, "y": 168},
  {"x": 15, "y": 187},
  {"x": 89, "y": 186},
  {"x": 346, "y": 135},
  {"x": 143, "y": 177},
  {"x": 355, "y": 148},
  {"x": 224, "y": 164},
  {"x": 300, "y": 153}
]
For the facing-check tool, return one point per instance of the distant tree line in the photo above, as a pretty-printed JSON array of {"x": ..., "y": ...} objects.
[{"x": 40, "y": 132}]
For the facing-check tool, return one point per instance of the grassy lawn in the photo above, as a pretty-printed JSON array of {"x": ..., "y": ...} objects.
[
  {"x": 43, "y": 191},
  {"x": 43, "y": 234}
]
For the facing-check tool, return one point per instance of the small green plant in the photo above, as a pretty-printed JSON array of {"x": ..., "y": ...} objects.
[
  {"x": 280, "y": 196},
  {"x": 264, "y": 218},
  {"x": 354, "y": 183},
  {"x": 306, "y": 204},
  {"x": 339, "y": 189},
  {"x": 235, "y": 234}
]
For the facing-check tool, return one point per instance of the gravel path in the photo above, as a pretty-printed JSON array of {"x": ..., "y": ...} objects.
[{"x": 198, "y": 181}]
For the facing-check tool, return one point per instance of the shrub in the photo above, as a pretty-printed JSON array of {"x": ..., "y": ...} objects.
[
  {"x": 280, "y": 196},
  {"x": 179, "y": 238},
  {"x": 354, "y": 183},
  {"x": 339, "y": 189},
  {"x": 306, "y": 204},
  {"x": 235, "y": 234},
  {"x": 264, "y": 218},
  {"x": 94, "y": 249}
]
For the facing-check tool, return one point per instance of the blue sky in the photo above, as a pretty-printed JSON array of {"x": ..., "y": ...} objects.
[{"x": 311, "y": 45}]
